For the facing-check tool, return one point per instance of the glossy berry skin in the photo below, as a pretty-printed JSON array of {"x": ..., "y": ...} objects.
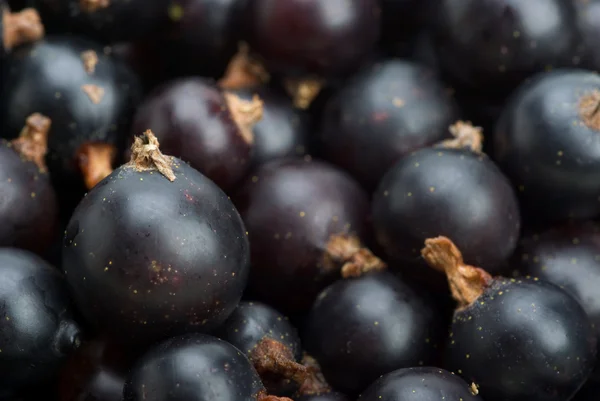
[
  {"x": 548, "y": 144},
  {"x": 388, "y": 110},
  {"x": 567, "y": 257},
  {"x": 28, "y": 208},
  {"x": 282, "y": 132},
  {"x": 49, "y": 77},
  {"x": 97, "y": 371},
  {"x": 450, "y": 192},
  {"x": 194, "y": 367},
  {"x": 370, "y": 336},
  {"x": 38, "y": 331},
  {"x": 120, "y": 20},
  {"x": 494, "y": 45},
  {"x": 193, "y": 122},
  {"x": 588, "y": 18},
  {"x": 202, "y": 36},
  {"x": 419, "y": 384},
  {"x": 249, "y": 325},
  {"x": 300, "y": 37},
  {"x": 291, "y": 208},
  {"x": 147, "y": 258},
  {"x": 522, "y": 339}
]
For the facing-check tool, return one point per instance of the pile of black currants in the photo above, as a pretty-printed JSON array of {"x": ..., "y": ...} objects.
[{"x": 299, "y": 200}]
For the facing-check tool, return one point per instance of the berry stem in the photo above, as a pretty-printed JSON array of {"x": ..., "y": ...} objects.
[
  {"x": 242, "y": 72},
  {"x": 146, "y": 156},
  {"x": 271, "y": 357},
  {"x": 303, "y": 91},
  {"x": 95, "y": 162},
  {"x": 245, "y": 113},
  {"x": 315, "y": 382},
  {"x": 32, "y": 143},
  {"x": 589, "y": 110},
  {"x": 21, "y": 27},
  {"x": 347, "y": 251},
  {"x": 466, "y": 282},
  {"x": 465, "y": 135}
]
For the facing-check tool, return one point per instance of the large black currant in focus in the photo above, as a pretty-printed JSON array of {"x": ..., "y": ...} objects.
[
  {"x": 194, "y": 367},
  {"x": 519, "y": 339},
  {"x": 453, "y": 192},
  {"x": 156, "y": 249},
  {"x": 38, "y": 331},
  {"x": 361, "y": 328},
  {"x": 388, "y": 110},
  {"x": 548, "y": 142},
  {"x": 420, "y": 384},
  {"x": 493, "y": 45}
]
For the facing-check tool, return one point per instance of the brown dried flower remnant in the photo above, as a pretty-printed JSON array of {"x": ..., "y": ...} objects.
[
  {"x": 20, "y": 27},
  {"x": 94, "y": 92},
  {"x": 146, "y": 156},
  {"x": 32, "y": 143},
  {"x": 90, "y": 60},
  {"x": 465, "y": 136},
  {"x": 90, "y": 6}
]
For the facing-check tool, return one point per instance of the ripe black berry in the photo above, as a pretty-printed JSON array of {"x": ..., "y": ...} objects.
[
  {"x": 588, "y": 13},
  {"x": 87, "y": 94},
  {"x": 570, "y": 258},
  {"x": 38, "y": 330},
  {"x": 155, "y": 249},
  {"x": 520, "y": 339},
  {"x": 28, "y": 208},
  {"x": 269, "y": 341},
  {"x": 454, "y": 192},
  {"x": 420, "y": 384},
  {"x": 194, "y": 367},
  {"x": 385, "y": 112},
  {"x": 203, "y": 126},
  {"x": 305, "y": 219},
  {"x": 361, "y": 328},
  {"x": 307, "y": 39},
  {"x": 494, "y": 45},
  {"x": 546, "y": 141}
]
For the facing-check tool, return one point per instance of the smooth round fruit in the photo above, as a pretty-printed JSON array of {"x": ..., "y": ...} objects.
[
  {"x": 359, "y": 329},
  {"x": 548, "y": 143},
  {"x": 28, "y": 209},
  {"x": 203, "y": 126},
  {"x": 588, "y": 18},
  {"x": 88, "y": 95},
  {"x": 312, "y": 37},
  {"x": 270, "y": 342},
  {"x": 193, "y": 367},
  {"x": 420, "y": 384},
  {"x": 38, "y": 331},
  {"x": 521, "y": 339},
  {"x": 570, "y": 258},
  {"x": 282, "y": 132},
  {"x": 156, "y": 249},
  {"x": 388, "y": 110},
  {"x": 202, "y": 36},
  {"x": 492, "y": 46},
  {"x": 108, "y": 21},
  {"x": 97, "y": 371},
  {"x": 452, "y": 192},
  {"x": 295, "y": 210}
]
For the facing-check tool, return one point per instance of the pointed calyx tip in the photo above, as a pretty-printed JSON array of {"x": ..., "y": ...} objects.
[
  {"x": 32, "y": 143},
  {"x": 146, "y": 156},
  {"x": 20, "y": 27},
  {"x": 243, "y": 72},
  {"x": 303, "y": 91},
  {"x": 465, "y": 135},
  {"x": 355, "y": 260},
  {"x": 245, "y": 114},
  {"x": 466, "y": 282}
]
